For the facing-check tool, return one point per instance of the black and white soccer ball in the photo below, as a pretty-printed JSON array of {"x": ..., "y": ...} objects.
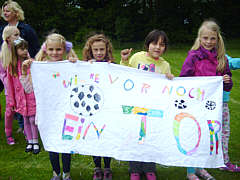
[
  {"x": 86, "y": 99},
  {"x": 180, "y": 104},
  {"x": 210, "y": 105}
]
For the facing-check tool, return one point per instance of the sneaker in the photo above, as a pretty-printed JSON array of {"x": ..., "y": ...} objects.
[
  {"x": 135, "y": 176},
  {"x": 66, "y": 176},
  {"x": 10, "y": 140},
  {"x": 55, "y": 176},
  {"x": 192, "y": 176},
  {"x": 230, "y": 167},
  {"x": 98, "y": 174},
  {"x": 107, "y": 174},
  {"x": 204, "y": 174},
  {"x": 151, "y": 176}
]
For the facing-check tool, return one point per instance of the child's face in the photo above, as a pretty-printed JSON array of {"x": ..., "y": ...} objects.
[
  {"x": 14, "y": 36},
  {"x": 99, "y": 50},
  {"x": 208, "y": 39},
  {"x": 55, "y": 51},
  {"x": 22, "y": 53},
  {"x": 155, "y": 50}
]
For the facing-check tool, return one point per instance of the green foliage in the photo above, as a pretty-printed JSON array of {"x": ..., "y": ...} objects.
[
  {"x": 130, "y": 20},
  {"x": 15, "y": 164}
]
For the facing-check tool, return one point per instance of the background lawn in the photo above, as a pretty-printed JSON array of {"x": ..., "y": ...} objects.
[{"x": 15, "y": 164}]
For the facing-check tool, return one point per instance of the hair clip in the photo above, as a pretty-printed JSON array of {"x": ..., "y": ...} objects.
[
  {"x": 18, "y": 41},
  {"x": 43, "y": 47},
  {"x": 68, "y": 46}
]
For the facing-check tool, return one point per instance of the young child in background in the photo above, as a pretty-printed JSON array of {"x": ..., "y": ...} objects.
[
  {"x": 207, "y": 58},
  {"x": 23, "y": 102},
  {"x": 234, "y": 63},
  {"x": 10, "y": 33},
  {"x": 53, "y": 49},
  {"x": 156, "y": 44},
  {"x": 99, "y": 48}
]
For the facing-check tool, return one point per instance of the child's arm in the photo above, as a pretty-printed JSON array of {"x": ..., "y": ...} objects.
[
  {"x": 234, "y": 63},
  {"x": 10, "y": 98},
  {"x": 227, "y": 80},
  {"x": 124, "y": 56},
  {"x": 25, "y": 66},
  {"x": 25, "y": 78}
]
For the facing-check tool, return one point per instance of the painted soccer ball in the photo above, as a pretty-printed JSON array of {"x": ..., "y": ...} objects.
[
  {"x": 180, "y": 104},
  {"x": 210, "y": 105},
  {"x": 86, "y": 100}
]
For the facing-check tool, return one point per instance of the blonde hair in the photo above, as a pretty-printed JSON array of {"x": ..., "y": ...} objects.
[
  {"x": 42, "y": 54},
  {"x": 6, "y": 54},
  {"x": 87, "y": 50},
  {"x": 13, "y": 7},
  {"x": 213, "y": 26}
]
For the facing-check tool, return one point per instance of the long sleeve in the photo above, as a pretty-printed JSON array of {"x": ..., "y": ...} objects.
[
  {"x": 10, "y": 91},
  {"x": 188, "y": 67},
  {"x": 26, "y": 82},
  {"x": 228, "y": 86},
  {"x": 29, "y": 34},
  {"x": 3, "y": 75},
  {"x": 234, "y": 63}
]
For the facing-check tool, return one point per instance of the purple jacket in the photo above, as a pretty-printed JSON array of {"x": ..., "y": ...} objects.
[
  {"x": 202, "y": 62},
  {"x": 23, "y": 103}
]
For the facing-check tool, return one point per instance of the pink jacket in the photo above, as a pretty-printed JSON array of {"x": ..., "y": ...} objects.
[
  {"x": 22, "y": 102},
  {"x": 3, "y": 77}
]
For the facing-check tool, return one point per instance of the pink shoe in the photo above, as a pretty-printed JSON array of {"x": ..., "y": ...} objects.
[
  {"x": 107, "y": 174},
  {"x": 230, "y": 167},
  {"x": 98, "y": 174},
  {"x": 151, "y": 176},
  {"x": 10, "y": 140},
  {"x": 135, "y": 176},
  {"x": 204, "y": 174},
  {"x": 192, "y": 177}
]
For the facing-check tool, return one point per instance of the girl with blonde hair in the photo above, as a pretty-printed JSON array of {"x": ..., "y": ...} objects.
[
  {"x": 207, "y": 58},
  {"x": 55, "y": 48},
  {"x": 13, "y": 14},
  {"x": 10, "y": 33}
]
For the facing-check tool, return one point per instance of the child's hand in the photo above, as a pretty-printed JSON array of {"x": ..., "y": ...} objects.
[
  {"x": 73, "y": 59},
  {"x": 169, "y": 76},
  {"x": 226, "y": 78},
  {"x": 125, "y": 54},
  {"x": 92, "y": 61},
  {"x": 25, "y": 66}
]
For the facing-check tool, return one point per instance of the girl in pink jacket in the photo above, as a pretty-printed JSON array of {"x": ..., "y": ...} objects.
[{"x": 20, "y": 94}]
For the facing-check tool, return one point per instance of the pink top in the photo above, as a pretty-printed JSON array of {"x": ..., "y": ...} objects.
[
  {"x": 23, "y": 103},
  {"x": 3, "y": 77}
]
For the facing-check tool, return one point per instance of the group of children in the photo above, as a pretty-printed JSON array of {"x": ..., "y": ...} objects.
[{"x": 206, "y": 58}]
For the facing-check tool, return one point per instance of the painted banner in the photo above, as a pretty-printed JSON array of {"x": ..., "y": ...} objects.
[{"x": 110, "y": 110}]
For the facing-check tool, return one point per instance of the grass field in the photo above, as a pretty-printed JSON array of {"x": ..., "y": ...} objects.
[{"x": 15, "y": 164}]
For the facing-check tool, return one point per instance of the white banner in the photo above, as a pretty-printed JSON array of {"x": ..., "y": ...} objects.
[{"x": 110, "y": 110}]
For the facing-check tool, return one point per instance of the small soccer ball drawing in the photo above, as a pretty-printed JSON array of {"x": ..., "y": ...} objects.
[
  {"x": 210, "y": 105},
  {"x": 180, "y": 104},
  {"x": 86, "y": 99}
]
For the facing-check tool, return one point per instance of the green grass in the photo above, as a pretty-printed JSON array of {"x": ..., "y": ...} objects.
[{"x": 15, "y": 164}]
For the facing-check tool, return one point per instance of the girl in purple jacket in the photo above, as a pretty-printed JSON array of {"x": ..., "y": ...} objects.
[
  {"x": 21, "y": 96},
  {"x": 207, "y": 58}
]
